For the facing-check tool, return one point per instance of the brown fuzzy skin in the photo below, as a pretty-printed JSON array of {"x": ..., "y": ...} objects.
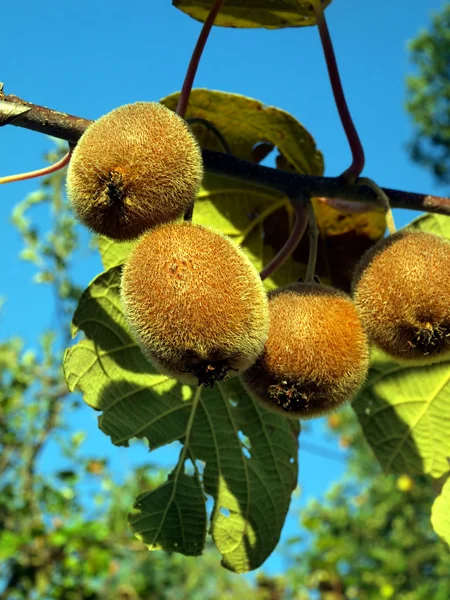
[
  {"x": 134, "y": 168},
  {"x": 195, "y": 303},
  {"x": 316, "y": 356},
  {"x": 401, "y": 288}
]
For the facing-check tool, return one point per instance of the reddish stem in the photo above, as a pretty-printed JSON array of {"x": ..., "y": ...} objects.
[
  {"x": 39, "y": 172},
  {"x": 196, "y": 55},
  {"x": 356, "y": 148},
  {"x": 298, "y": 231}
]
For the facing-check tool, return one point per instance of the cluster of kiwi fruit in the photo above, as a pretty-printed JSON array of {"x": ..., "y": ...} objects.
[{"x": 196, "y": 305}]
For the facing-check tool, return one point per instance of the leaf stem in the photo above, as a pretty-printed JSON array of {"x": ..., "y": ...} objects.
[
  {"x": 183, "y": 100},
  {"x": 185, "y": 450},
  {"x": 298, "y": 231},
  {"x": 355, "y": 169},
  {"x": 39, "y": 172},
  {"x": 213, "y": 129},
  {"x": 313, "y": 243},
  {"x": 383, "y": 198}
]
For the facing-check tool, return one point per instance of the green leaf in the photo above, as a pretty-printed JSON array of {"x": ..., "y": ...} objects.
[
  {"x": 247, "y": 214},
  {"x": 113, "y": 253},
  {"x": 270, "y": 14},
  {"x": 437, "y": 224},
  {"x": 246, "y": 456},
  {"x": 405, "y": 415},
  {"x": 440, "y": 513},
  {"x": 172, "y": 517}
]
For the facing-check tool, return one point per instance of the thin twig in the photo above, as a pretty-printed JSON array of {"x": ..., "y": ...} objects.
[
  {"x": 196, "y": 55},
  {"x": 70, "y": 128},
  {"x": 298, "y": 230},
  {"x": 356, "y": 148}
]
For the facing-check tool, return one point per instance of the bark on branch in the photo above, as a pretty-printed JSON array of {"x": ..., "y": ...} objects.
[{"x": 20, "y": 113}]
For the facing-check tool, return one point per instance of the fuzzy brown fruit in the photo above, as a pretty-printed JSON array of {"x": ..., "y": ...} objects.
[
  {"x": 316, "y": 355},
  {"x": 401, "y": 288},
  {"x": 194, "y": 302},
  {"x": 134, "y": 168}
]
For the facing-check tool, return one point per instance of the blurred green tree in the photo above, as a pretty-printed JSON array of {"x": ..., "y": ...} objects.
[
  {"x": 428, "y": 97},
  {"x": 372, "y": 537}
]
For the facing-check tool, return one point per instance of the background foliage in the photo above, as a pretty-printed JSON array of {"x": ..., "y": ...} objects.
[{"x": 428, "y": 94}]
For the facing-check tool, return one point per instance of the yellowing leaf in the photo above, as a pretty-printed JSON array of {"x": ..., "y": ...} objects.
[
  {"x": 270, "y": 14},
  {"x": 244, "y": 122}
]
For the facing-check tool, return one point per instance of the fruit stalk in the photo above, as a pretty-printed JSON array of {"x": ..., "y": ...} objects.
[{"x": 298, "y": 231}]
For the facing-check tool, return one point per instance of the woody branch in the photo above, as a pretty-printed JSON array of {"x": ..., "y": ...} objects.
[{"x": 20, "y": 113}]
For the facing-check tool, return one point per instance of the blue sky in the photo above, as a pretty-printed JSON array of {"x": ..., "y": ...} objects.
[{"x": 87, "y": 58}]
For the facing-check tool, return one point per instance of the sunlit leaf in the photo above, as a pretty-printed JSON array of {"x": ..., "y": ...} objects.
[
  {"x": 440, "y": 513},
  {"x": 270, "y": 14},
  {"x": 244, "y": 122},
  {"x": 405, "y": 415},
  {"x": 113, "y": 253}
]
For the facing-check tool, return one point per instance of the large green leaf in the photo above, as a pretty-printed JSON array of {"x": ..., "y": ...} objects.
[
  {"x": 173, "y": 516},
  {"x": 405, "y": 411},
  {"x": 440, "y": 513},
  {"x": 244, "y": 456},
  {"x": 405, "y": 415},
  {"x": 270, "y": 14}
]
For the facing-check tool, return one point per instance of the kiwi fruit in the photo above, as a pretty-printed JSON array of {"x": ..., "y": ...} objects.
[
  {"x": 136, "y": 167},
  {"x": 401, "y": 288},
  {"x": 194, "y": 302},
  {"x": 316, "y": 355}
]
